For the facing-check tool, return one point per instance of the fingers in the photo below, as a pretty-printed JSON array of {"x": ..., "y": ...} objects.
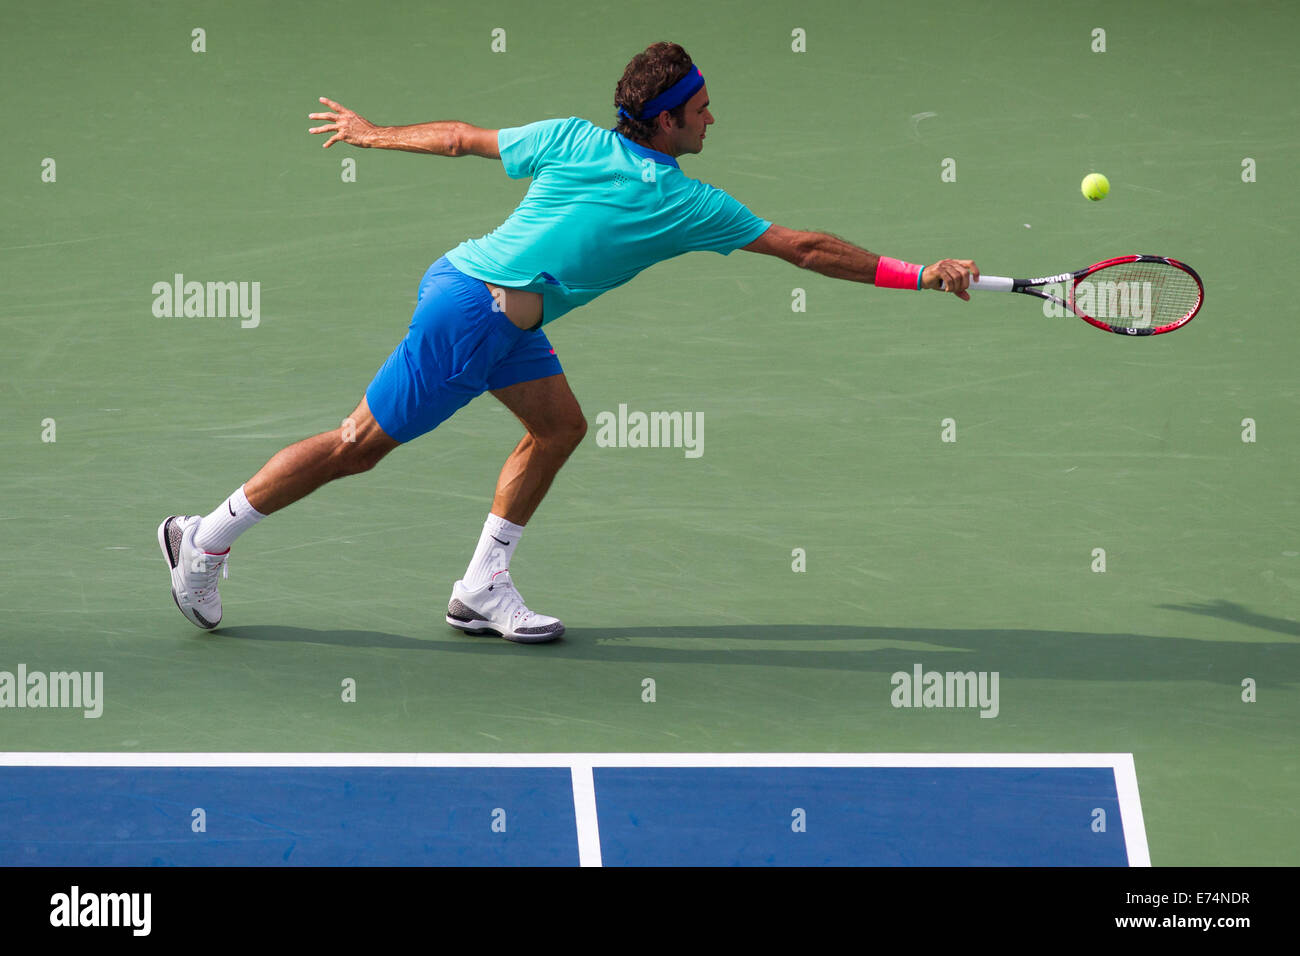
[
  {"x": 954, "y": 275},
  {"x": 331, "y": 118},
  {"x": 335, "y": 122}
]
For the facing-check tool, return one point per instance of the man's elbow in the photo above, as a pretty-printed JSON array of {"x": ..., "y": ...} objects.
[
  {"x": 797, "y": 248},
  {"x": 804, "y": 251},
  {"x": 460, "y": 143},
  {"x": 469, "y": 140}
]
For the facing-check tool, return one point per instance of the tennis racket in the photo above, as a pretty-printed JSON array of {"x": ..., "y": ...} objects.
[{"x": 1129, "y": 295}]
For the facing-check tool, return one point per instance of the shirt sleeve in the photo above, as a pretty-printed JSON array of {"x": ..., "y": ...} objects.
[
  {"x": 524, "y": 149},
  {"x": 719, "y": 223}
]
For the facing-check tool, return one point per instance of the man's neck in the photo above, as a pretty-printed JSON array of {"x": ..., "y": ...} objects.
[
  {"x": 655, "y": 144},
  {"x": 658, "y": 147}
]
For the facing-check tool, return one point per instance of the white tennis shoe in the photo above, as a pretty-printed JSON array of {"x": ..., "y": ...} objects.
[
  {"x": 497, "y": 608},
  {"x": 194, "y": 571}
]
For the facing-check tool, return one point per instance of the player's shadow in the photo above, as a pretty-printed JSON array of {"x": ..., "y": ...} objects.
[
  {"x": 1231, "y": 611},
  {"x": 276, "y": 634},
  {"x": 1022, "y": 653}
]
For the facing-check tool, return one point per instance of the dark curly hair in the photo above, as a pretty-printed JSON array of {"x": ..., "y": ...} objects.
[{"x": 651, "y": 72}]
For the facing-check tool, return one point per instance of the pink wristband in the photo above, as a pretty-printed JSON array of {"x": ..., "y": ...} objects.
[{"x": 896, "y": 274}]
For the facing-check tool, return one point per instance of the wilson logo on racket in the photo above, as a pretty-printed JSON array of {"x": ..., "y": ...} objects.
[{"x": 1128, "y": 295}]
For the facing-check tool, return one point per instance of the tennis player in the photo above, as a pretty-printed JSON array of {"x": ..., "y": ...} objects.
[{"x": 603, "y": 205}]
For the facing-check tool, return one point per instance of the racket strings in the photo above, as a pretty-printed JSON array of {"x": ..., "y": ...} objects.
[{"x": 1139, "y": 294}]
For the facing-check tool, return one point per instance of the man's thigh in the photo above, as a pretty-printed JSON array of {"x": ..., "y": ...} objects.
[
  {"x": 546, "y": 406},
  {"x": 456, "y": 348}
]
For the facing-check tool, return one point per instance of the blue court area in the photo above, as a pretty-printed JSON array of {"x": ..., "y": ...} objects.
[
  {"x": 857, "y": 816},
  {"x": 276, "y": 816},
  {"x": 547, "y": 816}
]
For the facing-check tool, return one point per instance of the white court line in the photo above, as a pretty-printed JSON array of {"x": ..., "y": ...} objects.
[
  {"x": 581, "y": 767},
  {"x": 1130, "y": 812},
  {"x": 570, "y": 760},
  {"x": 584, "y": 809}
]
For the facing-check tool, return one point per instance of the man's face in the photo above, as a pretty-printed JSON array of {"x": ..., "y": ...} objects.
[{"x": 689, "y": 137}]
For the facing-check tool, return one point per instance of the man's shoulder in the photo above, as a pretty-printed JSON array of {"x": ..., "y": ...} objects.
[
  {"x": 556, "y": 125},
  {"x": 585, "y": 143},
  {"x": 571, "y": 124},
  {"x": 571, "y": 131},
  {"x": 700, "y": 189},
  {"x": 579, "y": 128}
]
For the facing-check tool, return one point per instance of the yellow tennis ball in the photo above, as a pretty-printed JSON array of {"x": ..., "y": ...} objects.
[{"x": 1095, "y": 186}]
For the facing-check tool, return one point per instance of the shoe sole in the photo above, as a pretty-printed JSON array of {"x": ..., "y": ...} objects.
[
  {"x": 194, "y": 617},
  {"x": 478, "y": 626}
]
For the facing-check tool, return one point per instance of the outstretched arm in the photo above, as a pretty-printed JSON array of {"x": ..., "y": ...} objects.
[
  {"x": 832, "y": 256},
  {"x": 448, "y": 138}
]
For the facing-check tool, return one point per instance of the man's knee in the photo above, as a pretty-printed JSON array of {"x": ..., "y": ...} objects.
[
  {"x": 579, "y": 429},
  {"x": 567, "y": 435},
  {"x": 352, "y": 457}
]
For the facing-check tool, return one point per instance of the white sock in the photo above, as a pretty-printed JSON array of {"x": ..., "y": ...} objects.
[
  {"x": 218, "y": 531},
  {"x": 495, "y": 547}
]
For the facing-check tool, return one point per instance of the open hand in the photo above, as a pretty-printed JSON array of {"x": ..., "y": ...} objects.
[{"x": 343, "y": 123}]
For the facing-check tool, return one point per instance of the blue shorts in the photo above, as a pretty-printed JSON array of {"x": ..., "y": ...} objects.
[{"x": 456, "y": 349}]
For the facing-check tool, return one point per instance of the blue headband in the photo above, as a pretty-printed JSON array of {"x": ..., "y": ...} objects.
[{"x": 671, "y": 98}]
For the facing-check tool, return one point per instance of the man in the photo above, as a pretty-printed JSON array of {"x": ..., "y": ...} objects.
[{"x": 603, "y": 205}]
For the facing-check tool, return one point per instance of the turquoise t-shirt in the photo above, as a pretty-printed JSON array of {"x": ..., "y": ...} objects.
[{"x": 600, "y": 209}]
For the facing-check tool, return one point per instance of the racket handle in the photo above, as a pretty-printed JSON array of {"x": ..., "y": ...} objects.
[{"x": 989, "y": 284}]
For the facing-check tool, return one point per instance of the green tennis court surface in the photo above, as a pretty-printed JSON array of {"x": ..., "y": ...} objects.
[{"x": 690, "y": 629}]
